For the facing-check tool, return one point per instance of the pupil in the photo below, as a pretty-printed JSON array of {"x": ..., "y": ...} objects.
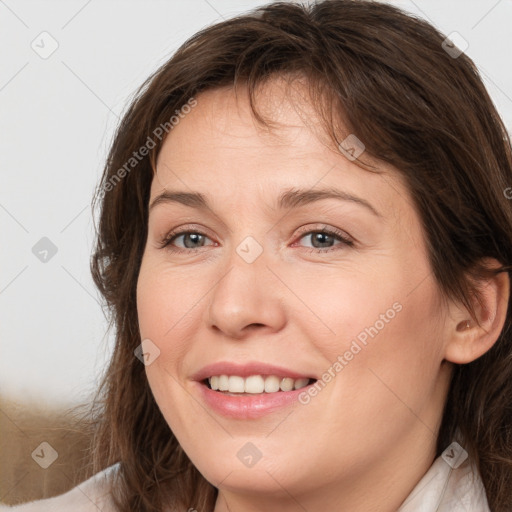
[
  {"x": 195, "y": 238},
  {"x": 318, "y": 238}
]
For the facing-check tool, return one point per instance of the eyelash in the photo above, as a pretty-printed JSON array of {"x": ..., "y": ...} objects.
[{"x": 166, "y": 242}]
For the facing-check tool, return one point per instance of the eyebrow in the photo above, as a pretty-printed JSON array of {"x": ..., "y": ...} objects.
[{"x": 292, "y": 198}]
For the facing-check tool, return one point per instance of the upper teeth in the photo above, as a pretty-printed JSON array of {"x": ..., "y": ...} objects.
[{"x": 255, "y": 383}]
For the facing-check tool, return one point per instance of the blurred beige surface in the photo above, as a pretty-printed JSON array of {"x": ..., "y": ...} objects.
[{"x": 43, "y": 451}]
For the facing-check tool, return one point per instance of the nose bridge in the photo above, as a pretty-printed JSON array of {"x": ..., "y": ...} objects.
[{"x": 246, "y": 293}]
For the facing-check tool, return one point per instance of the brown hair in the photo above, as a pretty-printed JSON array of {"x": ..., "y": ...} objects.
[{"x": 388, "y": 77}]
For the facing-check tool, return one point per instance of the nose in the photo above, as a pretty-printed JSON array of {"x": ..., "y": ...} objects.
[{"x": 247, "y": 297}]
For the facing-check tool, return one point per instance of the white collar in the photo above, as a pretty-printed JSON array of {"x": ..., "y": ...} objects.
[{"x": 452, "y": 484}]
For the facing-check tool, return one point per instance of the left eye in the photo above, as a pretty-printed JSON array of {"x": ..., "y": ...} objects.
[
  {"x": 323, "y": 240},
  {"x": 189, "y": 239}
]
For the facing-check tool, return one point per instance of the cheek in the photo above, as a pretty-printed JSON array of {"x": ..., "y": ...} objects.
[
  {"x": 169, "y": 308},
  {"x": 398, "y": 356},
  {"x": 165, "y": 310},
  {"x": 340, "y": 306},
  {"x": 378, "y": 338},
  {"x": 166, "y": 302}
]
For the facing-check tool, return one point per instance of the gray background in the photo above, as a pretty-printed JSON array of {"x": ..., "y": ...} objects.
[{"x": 57, "y": 116}]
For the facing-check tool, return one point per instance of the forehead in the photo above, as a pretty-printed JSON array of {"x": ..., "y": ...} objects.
[
  {"x": 223, "y": 119},
  {"x": 218, "y": 148}
]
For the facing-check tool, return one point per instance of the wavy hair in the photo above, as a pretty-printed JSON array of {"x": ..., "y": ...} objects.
[{"x": 385, "y": 76}]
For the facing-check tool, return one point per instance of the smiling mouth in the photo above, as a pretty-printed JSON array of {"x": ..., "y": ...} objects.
[{"x": 234, "y": 385}]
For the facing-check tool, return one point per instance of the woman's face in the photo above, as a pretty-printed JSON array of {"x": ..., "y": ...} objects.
[{"x": 261, "y": 286}]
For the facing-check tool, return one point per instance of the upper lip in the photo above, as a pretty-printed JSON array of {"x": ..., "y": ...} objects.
[{"x": 246, "y": 370}]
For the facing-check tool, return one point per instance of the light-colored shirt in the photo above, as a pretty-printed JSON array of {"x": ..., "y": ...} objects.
[{"x": 452, "y": 484}]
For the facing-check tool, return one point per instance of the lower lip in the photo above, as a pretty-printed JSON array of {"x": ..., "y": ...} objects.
[{"x": 248, "y": 406}]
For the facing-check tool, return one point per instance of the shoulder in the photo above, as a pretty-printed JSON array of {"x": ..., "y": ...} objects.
[{"x": 89, "y": 496}]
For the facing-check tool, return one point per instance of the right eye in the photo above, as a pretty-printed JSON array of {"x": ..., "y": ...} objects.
[{"x": 189, "y": 239}]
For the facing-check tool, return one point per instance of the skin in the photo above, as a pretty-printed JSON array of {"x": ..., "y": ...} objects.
[{"x": 369, "y": 435}]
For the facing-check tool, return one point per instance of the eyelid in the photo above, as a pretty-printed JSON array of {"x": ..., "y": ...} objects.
[{"x": 304, "y": 230}]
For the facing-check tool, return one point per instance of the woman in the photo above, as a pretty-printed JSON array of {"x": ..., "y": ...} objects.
[{"x": 339, "y": 338}]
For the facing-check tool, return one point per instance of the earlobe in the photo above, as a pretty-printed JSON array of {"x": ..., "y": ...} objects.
[{"x": 467, "y": 340}]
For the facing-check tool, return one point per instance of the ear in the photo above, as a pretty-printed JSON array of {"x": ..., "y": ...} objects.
[{"x": 466, "y": 340}]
